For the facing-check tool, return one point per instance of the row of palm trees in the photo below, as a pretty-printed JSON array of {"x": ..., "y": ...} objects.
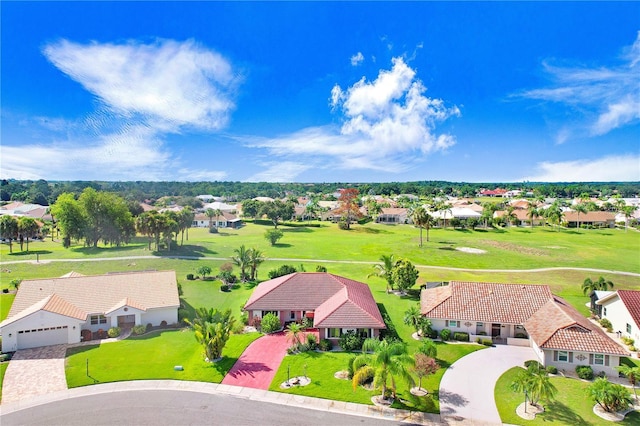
[
  {"x": 248, "y": 259},
  {"x": 165, "y": 225},
  {"x": 21, "y": 229}
]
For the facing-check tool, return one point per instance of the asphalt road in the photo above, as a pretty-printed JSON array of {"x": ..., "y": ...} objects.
[{"x": 160, "y": 407}]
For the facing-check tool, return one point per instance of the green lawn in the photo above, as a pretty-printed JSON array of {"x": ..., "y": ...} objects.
[
  {"x": 321, "y": 367},
  {"x": 571, "y": 407},
  {"x": 151, "y": 356},
  {"x": 3, "y": 368},
  {"x": 6, "y": 299}
]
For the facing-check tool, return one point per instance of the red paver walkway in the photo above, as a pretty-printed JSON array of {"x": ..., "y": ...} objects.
[{"x": 258, "y": 364}]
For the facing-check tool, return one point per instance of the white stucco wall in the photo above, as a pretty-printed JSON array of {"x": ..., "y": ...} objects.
[
  {"x": 39, "y": 320},
  {"x": 156, "y": 316},
  {"x": 619, "y": 316},
  {"x": 570, "y": 367}
]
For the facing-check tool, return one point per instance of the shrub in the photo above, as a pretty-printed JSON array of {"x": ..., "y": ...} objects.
[
  {"x": 270, "y": 323},
  {"x": 321, "y": 268},
  {"x": 224, "y": 288},
  {"x": 325, "y": 345},
  {"x": 114, "y": 332},
  {"x": 350, "y": 367},
  {"x": 182, "y": 314},
  {"x": 256, "y": 322},
  {"x": 521, "y": 336},
  {"x": 628, "y": 341},
  {"x": 551, "y": 369},
  {"x": 141, "y": 329},
  {"x": 445, "y": 334},
  {"x": 343, "y": 225},
  {"x": 606, "y": 324},
  {"x": 244, "y": 318},
  {"x": 5, "y": 290},
  {"x": 312, "y": 341},
  {"x": 150, "y": 326},
  {"x": 482, "y": 333},
  {"x": 461, "y": 336},
  {"x": 487, "y": 342},
  {"x": 585, "y": 372},
  {"x": 533, "y": 364},
  {"x": 433, "y": 334},
  {"x": 281, "y": 271},
  {"x": 163, "y": 323},
  {"x": 350, "y": 341},
  {"x": 190, "y": 277}
]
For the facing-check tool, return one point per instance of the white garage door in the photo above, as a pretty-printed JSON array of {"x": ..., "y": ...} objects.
[{"x": 42, "y": 337}]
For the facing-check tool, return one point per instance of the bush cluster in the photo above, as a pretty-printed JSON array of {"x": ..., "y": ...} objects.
[
  {"x": 350, "y": 341},
  {"x": 461, "y": 336},
  {"x": 585, "y": 372},
  {"x": 533, "y": 364},
  {"x": 606, "y": 324},
  {"x": 114, "y": 332},
  {"x": 190, "y": 277},
  {"x": 486, "y": 342},
  {"x": 270, "y": 323},
  {"x": 139, "y": 329},
  {"x": 325, "y": 345},
  {"x": 445, "y": 334}
]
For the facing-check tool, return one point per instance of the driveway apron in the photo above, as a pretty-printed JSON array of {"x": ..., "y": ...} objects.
[
  {"x": 466, "y": 389},
  {"x": 33, "y": 372},
  {"x": 258, "y": 364}
]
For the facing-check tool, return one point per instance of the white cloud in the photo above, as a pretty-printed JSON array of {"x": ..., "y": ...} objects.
[
  {"x": 357, "y": 59},
  {"x": 387, "y": 124},
  {"x": 613, "y": 168},
  {"x": 284, "y": 171},
  {"x": 146, "y": 91},
  {"x": 609, "y": 97},
  {"x": 170, "y": 83}
]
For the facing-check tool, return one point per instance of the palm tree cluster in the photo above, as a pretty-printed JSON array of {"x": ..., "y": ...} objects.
[
  {"x": 21, "y": 229},
  {"x": 589, "y": 286},
  {"x": 610, "y": 396},
  {"x": 165, "y": 226},
  {"x": 248, "y": 259},
  {"x": 535, "y": 383},
  {"x": 212, "y": 330}
]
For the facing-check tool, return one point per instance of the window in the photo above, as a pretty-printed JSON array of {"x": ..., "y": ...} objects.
[
  {"x": 629, "y": 328},
  {"x": 292, "y": 315},
  {"x": 98, "y": 319},
  {"x": 605, "y": 312},
  {"x": 276, "y": 313},
  {"x": 598, "y": 359},
  {"x": 452, "y": 323},
  {"x": 334, "y": 332},
  {"x": 563, "y": 356}
]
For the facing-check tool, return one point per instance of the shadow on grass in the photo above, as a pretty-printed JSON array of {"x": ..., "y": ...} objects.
[
  {"x": 297, "y": 229},
  {"x": 191, "y": 311},
  {"x": 424, "y": 403},
  {"x": 28, "y": 253},
  {"x": 367, "y": 230},
  {"x": 190, "y": 250},
  {"x": 98, "y": 250},
  {"x": 560, "y": 413},
  {"x": 282, "y": 245},
  {"x": 391, "y": 331},
  {"x": 446, "y": 242},
  {"x": 412, "y": 294},
  {"x": 251, "y": 285},
  {"x": 463, "y": 230},
  {"x": 446, "y": 248}
]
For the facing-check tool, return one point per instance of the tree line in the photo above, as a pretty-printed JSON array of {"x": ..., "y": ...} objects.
[{"x": 45, "y": 193}]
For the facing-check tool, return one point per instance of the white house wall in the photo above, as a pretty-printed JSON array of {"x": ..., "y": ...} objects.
[
  {"x": 36, "y": 321},
  {"x": 156, "y": 316},
  {"x": 619, "y": 316},
  {"x": 570, "y": 367}
]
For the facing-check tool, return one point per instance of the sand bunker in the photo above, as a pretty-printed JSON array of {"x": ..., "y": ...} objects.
[{"x": 471, "y": 250}]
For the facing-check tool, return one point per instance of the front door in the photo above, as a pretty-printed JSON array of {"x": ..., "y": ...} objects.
[
  {"x": 495, "y": 330},
  {"x": 126, "y": 320}
]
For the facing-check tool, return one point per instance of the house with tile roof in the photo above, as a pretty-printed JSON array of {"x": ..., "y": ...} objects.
[
  {"x": 393, "y": 215},
  {"x": 224, "y": 220},
  {"x": 523, "y": 315},
  {"x": 335, "y": 304},
  {"x": 622, "y": 308},
  {"x": 63, "y": 310},
  {"x": 597, "y": 219}
]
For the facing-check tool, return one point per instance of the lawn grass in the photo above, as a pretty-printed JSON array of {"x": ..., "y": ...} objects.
[
  {"x": 6, "y": 299},
  {"x": 571, "y": 406},
  {"x": 321, "y": 367},
  {"x": 151, "y": 356},
  {"x": 3, "y": 368}
]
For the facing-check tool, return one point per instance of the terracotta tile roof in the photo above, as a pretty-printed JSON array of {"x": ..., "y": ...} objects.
[
  {"x": 631, "y": 300},
  {"x": 337, "y": 301},
  {"x": 126, "y": 302},
  {"x": 394, "y": 211},
  {"x": 96, "y": 294},
  {"x": 52, "y": 303},
  {"x": 571, "y": 216},
  {"x": 557, "y": 325},
  {"x": 486, "y": 302}
]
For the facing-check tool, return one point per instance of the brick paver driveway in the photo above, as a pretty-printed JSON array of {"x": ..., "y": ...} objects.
[
  {"x": 258, "y": 364},
  {"x": 466, "y": 389},
  {"x": 33, "y": 372}
]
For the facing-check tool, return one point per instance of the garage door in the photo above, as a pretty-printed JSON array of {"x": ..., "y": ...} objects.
[{"x": 42, "y": 337}]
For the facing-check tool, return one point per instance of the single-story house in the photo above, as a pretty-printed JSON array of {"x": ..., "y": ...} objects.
[
  {"x": 522, "y": 217},
  {"x": 393, "y": 215},
  {"x": 622, "y": 308},
  {"x": 334, "y": 303},
  {"x": 224, "y": 220},
  {"x": 65, "y": 310},
  {"x": 219, "y": 205},
  {"x": 523, "y": 315},
  {"x": 597, "y": 219}
]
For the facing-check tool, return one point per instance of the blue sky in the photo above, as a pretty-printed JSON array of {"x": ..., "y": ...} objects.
[{"x": 321, "y": 91}]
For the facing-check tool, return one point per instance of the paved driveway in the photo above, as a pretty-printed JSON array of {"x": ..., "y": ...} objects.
[
  {"x": 466, "y": 389},
  {"x": 258, "y": 364},
  {"x": 33, "y": 372}
]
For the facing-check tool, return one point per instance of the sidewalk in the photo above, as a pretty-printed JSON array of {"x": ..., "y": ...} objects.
[{"x": 339, "y": 407}]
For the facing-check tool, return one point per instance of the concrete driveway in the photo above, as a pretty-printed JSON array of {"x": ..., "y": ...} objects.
[
  {"x": 466, "y": 389},
  {"x": 33, "y": 372},
  {"x": 258, "y": 364}
]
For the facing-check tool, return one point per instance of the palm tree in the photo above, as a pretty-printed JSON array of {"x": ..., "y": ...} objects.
[
  {"x": 589, "y": 286},
  {"x": 210, "y": 214},
  {"x": 611, "y": 397},
  {"x": 212, "y": 329},
  {"x": 633, "y": 374},
  {"x": 294, "y": 330},
  {"x": 218, "y": 213},
  {"x": 8, "y": 229},
  {"x": 385, "y": 270},
  {"x": 186, "y": 220},
  {"x": 241, "y": 260},
  {"x": 532, "y": 212},
  {"x": 412, "y": 317},
  {"x": 387, "y": 361},
  {"x": 27, "y": 228},
  {"x": 535, "y": 383},
  {"x": 554, "y": 214},
  {"x": 255, "y": 259},
  {"x": 420, "y": 218},
  {"x": 580, "y": 208}
]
